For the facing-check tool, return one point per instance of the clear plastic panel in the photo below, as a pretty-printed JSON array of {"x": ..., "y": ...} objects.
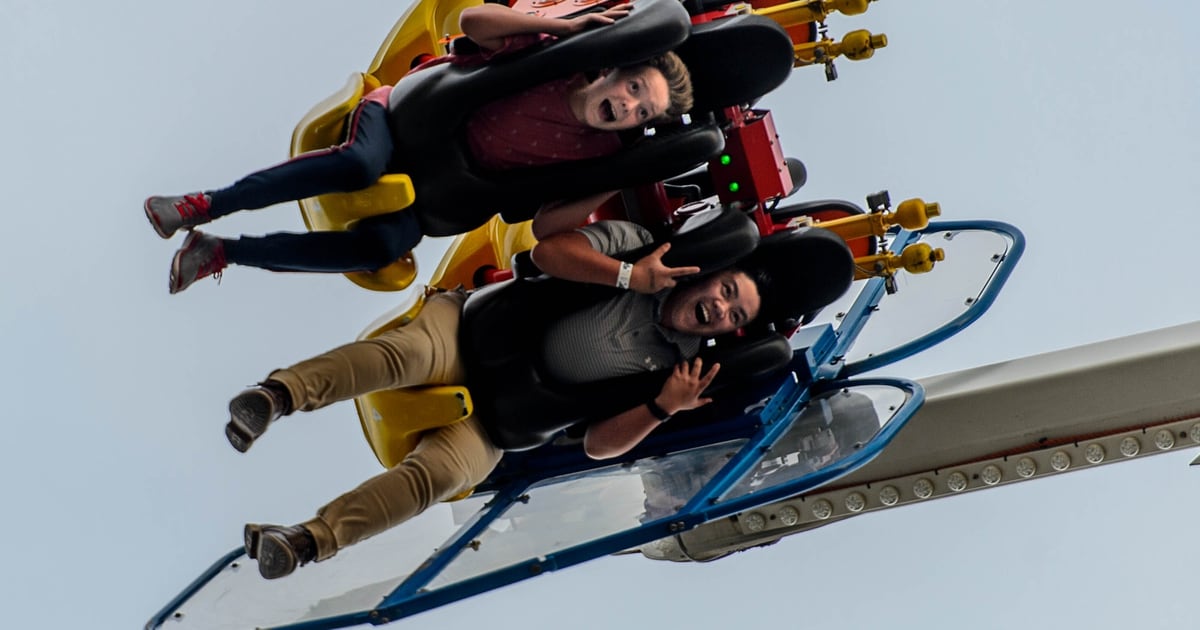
[
  {"x": 925, "y": 302},
  {"x": 567, "y": 511},
  {"x": 828, "y": 428},
  {"x": 836, "y": 310},
  {"x": 357, "y": 579}
]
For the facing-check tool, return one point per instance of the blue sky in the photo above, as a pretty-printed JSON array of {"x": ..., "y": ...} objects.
[{"x": 1075, "y": 121}]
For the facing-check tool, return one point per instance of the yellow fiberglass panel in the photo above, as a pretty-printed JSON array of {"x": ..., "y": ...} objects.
[
  {"x": 422, "y": 30},
  {"x": 393, "y": 420},
  {"x": 490, "y": 245}
]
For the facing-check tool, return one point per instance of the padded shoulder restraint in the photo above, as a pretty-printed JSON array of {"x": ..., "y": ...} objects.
[
  {"x": 501, "y": 340},
  {"x": 734, "y": 61},
  {"x": 429, "y": 108}
]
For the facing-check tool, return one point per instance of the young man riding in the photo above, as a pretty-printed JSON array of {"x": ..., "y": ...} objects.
[{"x": 654, "y": 325}]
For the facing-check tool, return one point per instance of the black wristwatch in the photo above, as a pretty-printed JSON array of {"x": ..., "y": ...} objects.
[{"x": 657, "y": 412}]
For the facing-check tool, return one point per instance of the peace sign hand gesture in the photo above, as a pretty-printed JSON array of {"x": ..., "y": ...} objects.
[{"x": 650, "y": 275}]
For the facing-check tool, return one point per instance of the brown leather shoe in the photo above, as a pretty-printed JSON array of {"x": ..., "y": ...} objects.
[
  {"x": 279, "y": 549},
  {"x": 251, "y": 411}
]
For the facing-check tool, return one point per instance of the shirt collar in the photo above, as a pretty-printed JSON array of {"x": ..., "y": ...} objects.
[{"x": 689, "y": 345}]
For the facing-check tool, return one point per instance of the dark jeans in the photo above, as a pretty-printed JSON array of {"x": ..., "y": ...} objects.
[{"x": 352, "y": 165}]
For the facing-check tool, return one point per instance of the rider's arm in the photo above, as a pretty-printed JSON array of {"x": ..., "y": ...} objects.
[
  {"x": 489, "y": 24},
  {"x": 682, "y": 391},
  {"x": 584, "y": 257},
  {"x": 564, "y": 216}
]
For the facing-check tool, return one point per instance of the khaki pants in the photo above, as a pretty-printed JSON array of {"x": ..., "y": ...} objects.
[{"x": 446, "y": 462}]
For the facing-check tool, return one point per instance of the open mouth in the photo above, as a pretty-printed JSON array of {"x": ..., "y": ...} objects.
[
  {"x": 607, "y": 113},
  {"x": 701, "y": 313}
]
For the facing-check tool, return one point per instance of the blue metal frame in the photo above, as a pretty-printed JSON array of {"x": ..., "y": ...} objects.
[
  {"x": 860, "y": 312},
  {"x": 167, "y": 611},
  {"x": 968, "y": 316},
  {"x": 408, "y": 598},
  {"x": 703, "y": 507}
]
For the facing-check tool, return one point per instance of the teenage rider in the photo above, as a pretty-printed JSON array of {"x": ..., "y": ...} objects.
[{"x": 573, "y": 118}]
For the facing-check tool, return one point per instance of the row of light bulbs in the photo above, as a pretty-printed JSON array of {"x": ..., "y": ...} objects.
[{"x": 890, "y": 493}]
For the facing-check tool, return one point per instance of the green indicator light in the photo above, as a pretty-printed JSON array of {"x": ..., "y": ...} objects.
[
  {"x": 725, "y": 160},
  {"x": 734, "y": 187}
]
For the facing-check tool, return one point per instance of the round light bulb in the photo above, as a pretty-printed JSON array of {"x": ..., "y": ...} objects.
[
  {"x": 1060, "y": 461},
  {"x": 1130, "y": 446},
  {"x": 822, "y": 509},
  {"x": 1094, "y": 453},
  {"x": 991, "y": 474},
  {"x": 923, "y": 488},
  {"x": 1164, "y": 440},
  {"x": 957, "y": 481},
  {"x": 889, "y": 495},
  {"x": 755, "y": 522},
  {"x": 856, "y": 502},
  {"x": 789, "y": 515},
  {"x": 1026, "y": 467}
]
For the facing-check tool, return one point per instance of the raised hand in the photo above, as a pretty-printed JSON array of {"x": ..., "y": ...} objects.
[
  {"x": 684, "y": 387},
  {"x": 650, "y": 275}
]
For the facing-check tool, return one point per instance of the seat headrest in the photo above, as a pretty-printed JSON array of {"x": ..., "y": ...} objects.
[
  {"x": 711, "y": 239},
  {"x": 736, "y": 60},
  {"x": 654, "y": 27},
  {"x": 806, "y": 270},
  {"x": 456, "y": 200}
]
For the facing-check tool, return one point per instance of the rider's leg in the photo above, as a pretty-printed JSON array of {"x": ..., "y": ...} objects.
[
  {"x": 371, "y": 244},
  {"x": 352, "y": 165},
  {"x": 447, "y": 462},
  {"x": 424, "y": 351}
]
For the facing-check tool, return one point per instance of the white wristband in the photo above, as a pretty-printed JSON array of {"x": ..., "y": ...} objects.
[{"x": 623, "y": 276}]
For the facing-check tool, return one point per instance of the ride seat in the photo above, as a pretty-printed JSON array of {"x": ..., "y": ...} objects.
[{"x": 325, "y": 126}]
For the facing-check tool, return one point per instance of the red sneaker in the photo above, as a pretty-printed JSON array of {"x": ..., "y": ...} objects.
[
  {"x": 168, "y": 214},
  {"x": 201, "y": 255}
]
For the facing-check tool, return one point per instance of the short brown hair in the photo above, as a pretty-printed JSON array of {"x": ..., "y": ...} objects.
[{"x": 679, "y": 82}]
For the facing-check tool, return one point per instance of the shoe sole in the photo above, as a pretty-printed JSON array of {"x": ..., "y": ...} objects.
[
  {"x": 249, "y": 416},
  {"x": 251, "y": 536},
  {"x": 238, "y": 440},
  {"x": 154, "y": 220},
  {"x": 174, "y": 283},
  {"x": 276, "y": 558}
]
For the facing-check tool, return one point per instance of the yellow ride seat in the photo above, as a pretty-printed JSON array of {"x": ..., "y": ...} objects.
[
  {"x": 325, "y": 126},
  {"x": 393, "y": 420},
  {"x": 491, "y": 245}
]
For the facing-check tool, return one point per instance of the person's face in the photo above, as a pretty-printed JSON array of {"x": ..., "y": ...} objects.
[
  {"x": 623, "y": 99},
  {"x": 718, "y": 304}
]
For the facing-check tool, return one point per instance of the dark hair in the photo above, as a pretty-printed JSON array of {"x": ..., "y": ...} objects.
[
  {"x": 762, "y": 281},
  {"x": 797, "y": 272}
]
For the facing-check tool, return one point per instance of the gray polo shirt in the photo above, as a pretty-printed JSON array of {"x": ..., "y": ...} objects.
[{"x": 620, "y": 336}]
